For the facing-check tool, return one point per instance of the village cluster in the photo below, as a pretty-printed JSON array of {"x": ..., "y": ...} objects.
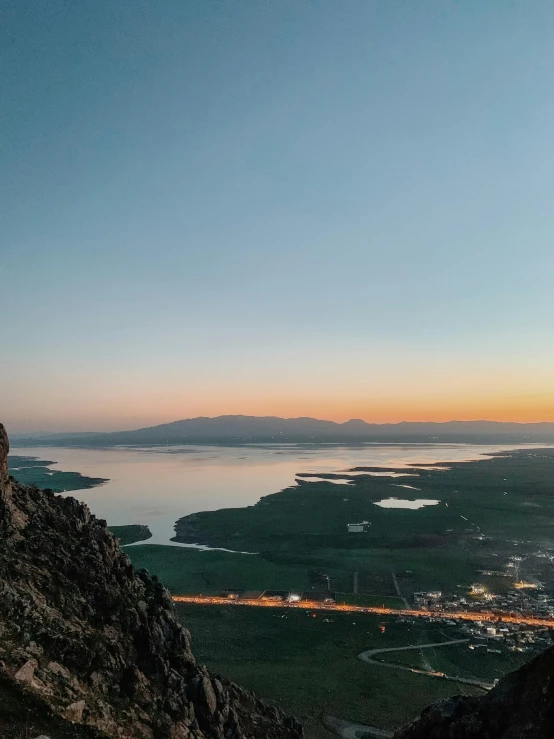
[{"x": 524, "y": 600}]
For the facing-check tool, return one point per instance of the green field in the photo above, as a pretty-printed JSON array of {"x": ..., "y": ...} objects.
[
  {"x": 193, "y": 571},
  {"x": 131, "y": 533},
  {"x": 374, "y": 601},
  {"x": 33, "y": 471},
  {"x": 457, "y": 659},
  {"x": 436, "y": 547},
  {"x": 308, "y": 665},
  {"x": 489, "y": 510}
]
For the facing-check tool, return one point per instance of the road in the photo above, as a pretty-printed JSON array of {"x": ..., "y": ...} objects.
[
  {"x": 398, "y": 591},
  {"x": 487, "y": 616},
  {"x": 369, "y": 654},
  {"x": 349, "y": 730}
]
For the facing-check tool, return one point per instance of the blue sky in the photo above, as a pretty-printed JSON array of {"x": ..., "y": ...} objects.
[{"x": 327, "y": 208}]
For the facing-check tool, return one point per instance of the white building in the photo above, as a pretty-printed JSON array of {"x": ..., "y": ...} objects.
[{"x": 357, "y": 527}]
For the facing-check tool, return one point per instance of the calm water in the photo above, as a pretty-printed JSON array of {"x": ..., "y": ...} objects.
[
  {"x": 158, "y": 486},
  {"x": 413, "y": 505}
]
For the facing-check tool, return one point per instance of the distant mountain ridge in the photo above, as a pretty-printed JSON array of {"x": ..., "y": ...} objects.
[{"x": 240, "y": 429}]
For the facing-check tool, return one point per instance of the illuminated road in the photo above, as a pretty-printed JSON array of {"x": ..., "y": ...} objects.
[{"x": 488, "y": 616}]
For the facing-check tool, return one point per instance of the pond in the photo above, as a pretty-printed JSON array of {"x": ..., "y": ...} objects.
[{"x": 413, "y": 505}]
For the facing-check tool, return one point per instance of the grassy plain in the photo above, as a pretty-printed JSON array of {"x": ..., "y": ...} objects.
[
  {"x": 484, "y": 508},
  {"x": 194, "y": 571},
  {"x": 488, "y": 511},
  {"x": 33, "y": 471},
  {"x": 309, "y": 666},
  {"x": 131, "y": 533}
]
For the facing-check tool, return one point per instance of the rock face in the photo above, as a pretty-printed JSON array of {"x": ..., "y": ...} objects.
[
  {"x": 521, "y": 706},
  {"x": 5, "y": 487},
  {"x": 11, "y": 518},
  {"x": 98, "y": 642}
]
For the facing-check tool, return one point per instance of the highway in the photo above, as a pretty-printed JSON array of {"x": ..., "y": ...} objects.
[{"x": 487, "y": 616}]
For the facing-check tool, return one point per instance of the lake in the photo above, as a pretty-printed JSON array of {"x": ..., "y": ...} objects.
[{"x": 156, "y": 486}]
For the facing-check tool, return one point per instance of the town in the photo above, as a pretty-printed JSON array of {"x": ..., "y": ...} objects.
[
  {"x": 521, "y": 632},
  {"x": 518, "y": 619}
]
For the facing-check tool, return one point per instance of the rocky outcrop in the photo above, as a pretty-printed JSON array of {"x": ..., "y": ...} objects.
[
  {"x": 5, "y": 486},
  {"x": 98, "y": 642},
  {"x": 521, "y": 706},
  {"x": 11, "y": 518}
]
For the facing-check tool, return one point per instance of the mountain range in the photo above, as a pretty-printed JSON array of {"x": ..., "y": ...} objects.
[{"x": 240, "y": 429}]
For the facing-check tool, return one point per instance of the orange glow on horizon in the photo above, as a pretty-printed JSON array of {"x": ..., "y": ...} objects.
[
  {"x": 115, "y": 416},
  {"x": 535, "y": 409},
  {"x": 120, "y": 403}
]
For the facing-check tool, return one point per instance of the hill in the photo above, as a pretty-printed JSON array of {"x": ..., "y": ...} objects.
[{"x": 271, "y": 429}]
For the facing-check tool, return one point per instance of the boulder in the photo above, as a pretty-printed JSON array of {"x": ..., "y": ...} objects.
[
  {"x": 74, "y": 712},
  {"x": 26, "y": 673}
]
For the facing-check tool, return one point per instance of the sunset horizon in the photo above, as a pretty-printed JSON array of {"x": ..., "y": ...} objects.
[
  {"x": 277, "y": 310},
  {"x": 151, "y": 421},
  {"x": 209, "y": 212}
]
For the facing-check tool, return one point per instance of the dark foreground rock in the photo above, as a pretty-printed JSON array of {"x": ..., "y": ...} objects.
[
  {"x": 521, "y": 706},
  {"x": 25, "y": 716},
  {"x": 96, "y": 643}
]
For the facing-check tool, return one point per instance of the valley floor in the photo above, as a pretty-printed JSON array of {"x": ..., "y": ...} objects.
[{"x": 309, "y": 662}]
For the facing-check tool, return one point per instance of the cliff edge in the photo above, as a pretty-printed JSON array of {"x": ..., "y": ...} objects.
[
  {"x": 97, "y": 643},
  {"x": 521, "y": 706}
]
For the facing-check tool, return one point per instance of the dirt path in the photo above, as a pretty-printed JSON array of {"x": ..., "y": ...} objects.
[
  {"x": 349, "y": 730},
  {"x": 368, "y": 656},
  {"x": 426, "y": 664},
  {"x": 398, "y": 591}
]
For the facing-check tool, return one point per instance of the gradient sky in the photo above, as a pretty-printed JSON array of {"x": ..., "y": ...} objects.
[{"x": 331, "y": 208}]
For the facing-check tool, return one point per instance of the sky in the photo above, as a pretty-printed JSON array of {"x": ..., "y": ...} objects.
[{"x": 334, "y": 208}]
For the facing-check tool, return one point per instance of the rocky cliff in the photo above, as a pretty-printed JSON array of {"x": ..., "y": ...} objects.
[
  {"x": 521, "y": 706},
  {"x": 97, "y": 643}
]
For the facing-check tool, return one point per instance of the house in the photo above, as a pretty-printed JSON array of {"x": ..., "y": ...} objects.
[{"x": 358, "y": 527}]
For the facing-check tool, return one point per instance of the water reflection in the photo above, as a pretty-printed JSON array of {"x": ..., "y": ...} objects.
[
  {"x": 413, "y": 505},
  {"x": 156, "y": 486}
]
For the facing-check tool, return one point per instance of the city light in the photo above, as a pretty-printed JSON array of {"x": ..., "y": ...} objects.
[{"x": 486, "y": 616}]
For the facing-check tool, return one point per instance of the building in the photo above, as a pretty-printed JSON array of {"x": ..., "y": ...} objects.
[
  {"x": 359, "y": 528},
  {"x": 323, "y": 596}
]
